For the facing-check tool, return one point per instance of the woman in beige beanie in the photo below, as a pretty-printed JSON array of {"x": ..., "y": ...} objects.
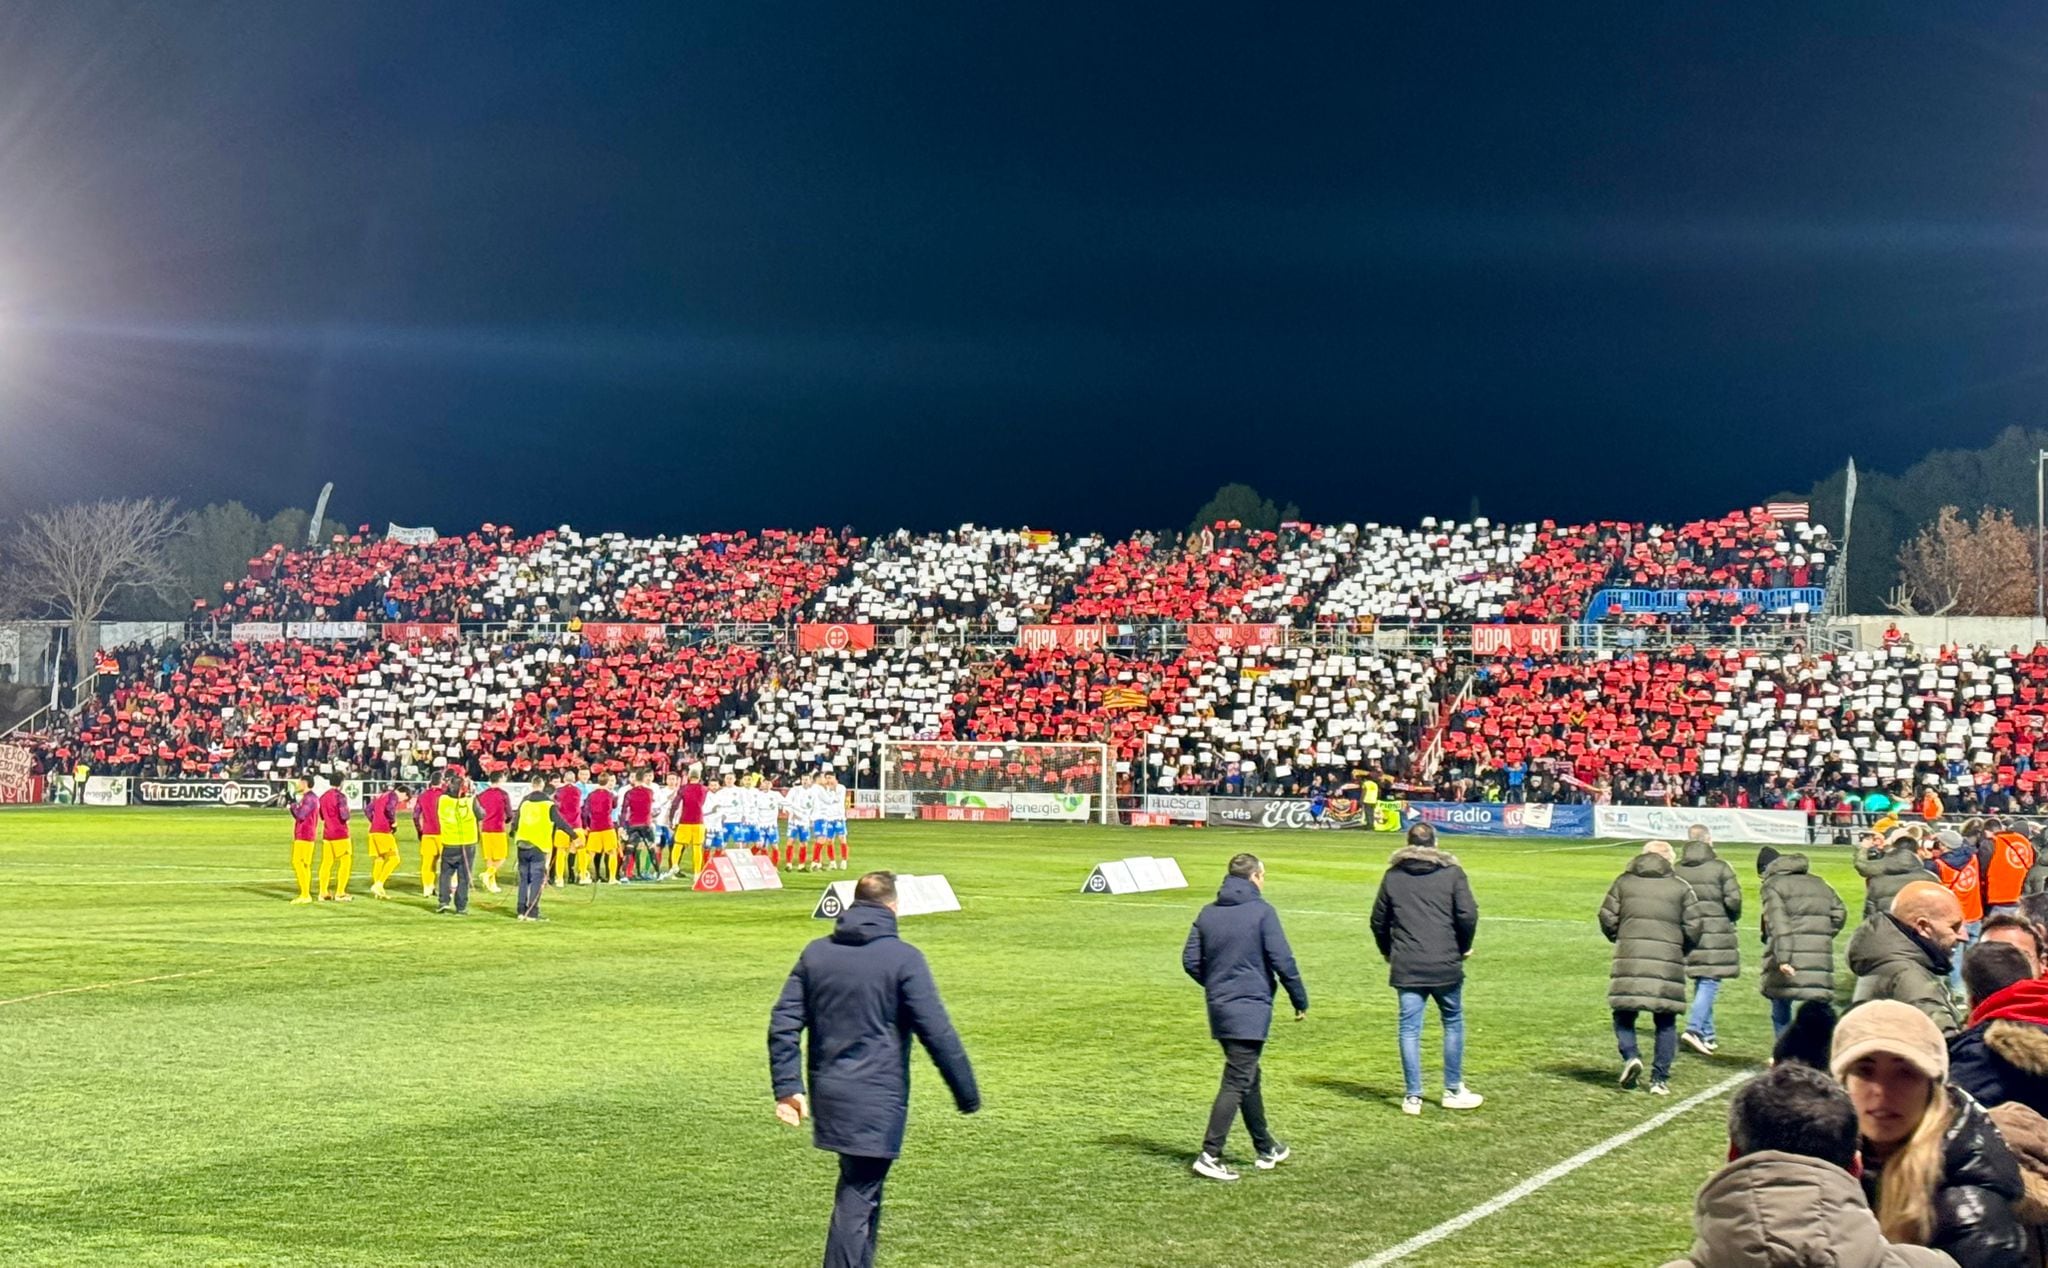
[{"x": 1934, "y": 1168}]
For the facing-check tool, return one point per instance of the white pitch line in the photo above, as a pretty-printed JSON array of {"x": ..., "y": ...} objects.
[
  {"x": 1543, "y": 1179},
  {"x": 162, "y": 977}
]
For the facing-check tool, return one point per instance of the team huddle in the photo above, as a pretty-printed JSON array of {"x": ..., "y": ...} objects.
[{"x": 581, "y": 830}]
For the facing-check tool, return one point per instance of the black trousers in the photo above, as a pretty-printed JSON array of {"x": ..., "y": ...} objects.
[
  {"x": 455, "y": 870},
  {"x": 533, "y": 877},
  {"x": 856, "y": 1212},
  {"x": 1240, "y": 1091},
  {"x": 1667, "y": 1041}
]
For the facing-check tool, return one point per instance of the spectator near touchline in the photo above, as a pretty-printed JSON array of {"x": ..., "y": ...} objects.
[
  {"x": 1424, "y": 919},
  {"x": 1654, "y": 921},
  {"x": 1717, "y": 957}
]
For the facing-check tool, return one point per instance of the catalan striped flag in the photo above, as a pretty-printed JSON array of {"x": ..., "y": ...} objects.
[
  {"x": 1122, "y": 699},
  {"x": 1788, "y": 510}
]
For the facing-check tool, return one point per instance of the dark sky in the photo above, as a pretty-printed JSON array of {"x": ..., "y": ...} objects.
[{"x": 685, "y": 266}]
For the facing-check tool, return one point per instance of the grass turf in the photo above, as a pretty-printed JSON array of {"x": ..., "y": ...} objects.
[{"x": 373, "y": 1085}]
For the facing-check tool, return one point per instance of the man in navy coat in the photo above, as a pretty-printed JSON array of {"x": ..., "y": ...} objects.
[
  {"x": 861, "y": 993},
  {"x": 1236, "y": 950}
]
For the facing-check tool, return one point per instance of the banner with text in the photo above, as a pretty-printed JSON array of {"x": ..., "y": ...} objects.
[
  {"x": 410, "y": 536},
  {"x": 812, "y": 638},
  {"x": 1517, "y": 640},
  {"x": 327, "y": 631},
  {"x": 1501, "y": 819},
  {"x": 1072, "y": 807},
  {"x": 211, "y": 792},
  {"x": 421, "y": 631},
  {"x": 1724, "y": 823},
  {"x": 17, "y": 785},
  {"x": 1212, "y": 637},
  {"x": 257, "y": 632},
  {"x": 1297, "y": 812},
  {"x": 1178, "y": 807},
  {"x": 1065, "y": 638},
  {"x": 106, "y": 790}
]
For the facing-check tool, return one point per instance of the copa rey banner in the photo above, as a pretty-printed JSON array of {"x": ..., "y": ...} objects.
[
  {"x": 211, "y": 792},
  {"x": 1724, "y": 823},
  {"x": 1501, "y": 819},
  {"x": 834, "y": 637}
]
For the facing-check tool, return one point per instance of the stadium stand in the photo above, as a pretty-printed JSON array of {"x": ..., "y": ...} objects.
[{"x": 1001, "y": 576}]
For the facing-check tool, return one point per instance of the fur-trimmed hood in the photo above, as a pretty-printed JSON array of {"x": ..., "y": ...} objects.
[
  {"x": 2023, "y": 1045},
  {"x": 1422, "y": 858}
]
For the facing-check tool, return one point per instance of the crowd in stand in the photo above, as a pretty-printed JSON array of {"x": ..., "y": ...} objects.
[{"x": 996, "y": 576}]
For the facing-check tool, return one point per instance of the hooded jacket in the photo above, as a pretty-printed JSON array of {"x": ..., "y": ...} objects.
[
  {"x": 1714, "y": 883},
  {"x": 1654, "y": 921},
  {"x": 2003, "y": 1056},
  {"x": 1424, "y": 919},
  {"x": 1780, "y": 1210},
  {"x": 1884, "y": 875},
  {"x": 1802, "y": 915},
  {"x": 1974, "y": 1219},
  {"x": 862, "y": 992},
  {"x": 1891, "y": 961},
  {"x": 1236, "y": 950}
]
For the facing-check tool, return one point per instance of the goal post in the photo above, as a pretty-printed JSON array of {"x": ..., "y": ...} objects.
[{"x": 1024, "y": 780}]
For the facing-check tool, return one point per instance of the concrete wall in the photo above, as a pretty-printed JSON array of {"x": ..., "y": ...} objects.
[{"x": 1934, "y": 631}]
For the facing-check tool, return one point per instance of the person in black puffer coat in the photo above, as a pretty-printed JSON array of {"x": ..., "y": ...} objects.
[
  {"x": 1423, "y": 919},
  {"x": 1802, "y": 915},
  {"x": 1935, "y": 1169},
  {"x": 1653, "y": 920},
  {"x": 1718, "y": 957}
]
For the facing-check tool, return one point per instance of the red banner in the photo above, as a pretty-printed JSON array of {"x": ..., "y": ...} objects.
[
  {"x": 811, "y": 638},
  {"x": 1206, "y": 638},
  {"x": 965, "y": 814},
  {"x": 421, "y": 631},
  {"x": 619, "y": 635},
  {"x": 1517, "y": 640},
  {"x": 1065, "y": 638}
]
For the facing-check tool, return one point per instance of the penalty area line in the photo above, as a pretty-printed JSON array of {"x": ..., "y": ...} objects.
[
  {"x": 1543, "y": 1179},
  {"x": 161, "y": 977}
]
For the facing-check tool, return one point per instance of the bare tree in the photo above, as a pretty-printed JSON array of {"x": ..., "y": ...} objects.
[
  {"x": 77, "y": 558},
  {"x": 1980, "y": 569}
]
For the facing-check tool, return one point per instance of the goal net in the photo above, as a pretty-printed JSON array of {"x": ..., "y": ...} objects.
[{"x": 1075, "y": 782}]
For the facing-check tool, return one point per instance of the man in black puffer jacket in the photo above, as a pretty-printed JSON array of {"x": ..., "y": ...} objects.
[
  {"x": 1236, "y": 950},
  {"x": 1423, "y": 920},
  {"x": 862, "y": 992}
]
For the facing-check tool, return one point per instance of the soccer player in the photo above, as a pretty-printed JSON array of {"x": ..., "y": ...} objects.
[
  {"x": 835, "y": 816},
  {"x": 664, "y": 827},
  {"x": 426, "y": 822},
  {"x": 568, "y": 800},
  {"x": 636, "y": 813},
  {"x": 796, "y": 804},
  {"x": 382, "y": 812},
  {"x": 600, "y": 831},
  {"x": 305, "y": 810},
  {"x": 688, "y": 814},
  {"x": 537, "y": 827},
  {"x": 337, "y": 846},
  {"x": 718, "y": 803},
  {"x": 493, "y": 813},
  {"x": 766, "y": 805}
]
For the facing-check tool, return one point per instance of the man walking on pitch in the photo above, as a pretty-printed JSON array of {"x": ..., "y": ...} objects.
[
  {"x": 1718, "y": 957},
  {"x": 1423, "y": 921},
  {"x": 1654, "y": 921},
  {"x": 1236, "y": 950},
  {"x": 861, "y": 993}
]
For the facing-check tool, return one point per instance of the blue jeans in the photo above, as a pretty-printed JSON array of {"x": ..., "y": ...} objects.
[
  {"x": 1781, "y": 1016},
  {"x": 1450, "y": 1010},
  {"x": 1705, "y": 990}
]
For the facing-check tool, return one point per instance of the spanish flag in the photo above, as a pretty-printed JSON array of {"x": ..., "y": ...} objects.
[
  {"x": 1037, "y": 537},
  {"x": 1120, "y": 699}
]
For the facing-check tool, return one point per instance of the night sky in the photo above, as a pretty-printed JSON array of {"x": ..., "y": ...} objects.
[{"x": 681, "y": 266}]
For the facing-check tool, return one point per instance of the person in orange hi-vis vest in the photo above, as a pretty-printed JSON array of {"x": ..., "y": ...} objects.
[
  {"x": 1957, "y": 868},
  {"x": 2012, "y": 857},
  {"x": 1930, "y": 805}
]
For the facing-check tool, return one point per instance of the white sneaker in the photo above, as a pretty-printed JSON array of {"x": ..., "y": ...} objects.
[
  {"x": 1631, "y": 1071},
  {"x": 1412, "y": 1105},
  {"x": 1213, "y": 1168},
  {"x": 1271, "y": 1158},
  {"x": 1658, "y": 1089},
  {"x": 1462, "y": 1098}
]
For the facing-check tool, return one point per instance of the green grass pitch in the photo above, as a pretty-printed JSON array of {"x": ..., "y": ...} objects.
[{"x": 199, "y": 1073}]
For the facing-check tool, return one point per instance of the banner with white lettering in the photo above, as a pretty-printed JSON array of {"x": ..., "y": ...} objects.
[
  {"x": 1724, "y": 823},
  {"x": 1065, "y": 638},
  {"x": 1178, "y": 807},
  {"x": 257, "y": 632},
  {"x": 410, "y": 536},
  {"x": 326, "y": 631}
]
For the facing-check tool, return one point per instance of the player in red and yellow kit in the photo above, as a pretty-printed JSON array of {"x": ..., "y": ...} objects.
[
  {"x": 569, "y": 803},
  {"x": 600, "y": 831},
  {"x": 305, "y": 810},
  {"x": 426, "y": 820},
  {"x": 337, "y": 846},
  {"x": 382, "y": 812},
  {"x": 493, "y": 820}
]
